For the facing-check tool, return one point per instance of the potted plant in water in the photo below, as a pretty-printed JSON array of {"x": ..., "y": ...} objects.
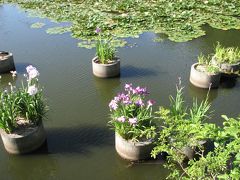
[
  {"x": 183, "y": 131},
  {"x": 21, "y": 114},
  {"x": 228, "y": 59},
  {"x": 204, "y": 74},
  {"x": 6, "y": 62},
  {"x": 105, "y": 64},
  {"x": 220, "y": 163},
  {"x": 132, "y": 120}
]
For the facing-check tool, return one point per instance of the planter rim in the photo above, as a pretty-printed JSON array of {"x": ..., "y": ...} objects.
[
  {"x": 115, "y": 61},
  {"x": 209, "y": 73},
  {"x": 29, "y": 130},
  {"x": 136, "y": 143},
  {"x": 5, "y": 56}
]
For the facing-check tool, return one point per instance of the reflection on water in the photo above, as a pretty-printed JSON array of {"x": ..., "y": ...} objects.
[
  {"x": 106, "y": 88},
  {"x": 29, "y": 167},
  {"x": 228, "y": 82},
  {"x": 6, "y": 79},
  {"x": 201, "y": 93}
]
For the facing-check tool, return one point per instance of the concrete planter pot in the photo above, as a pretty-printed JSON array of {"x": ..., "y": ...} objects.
[
  {"x": 204, "y": 79},
  {"x": 106, "y": 70},
  {"x": 24, "y": 142},
  {"x": 6, "y": 62},
  {"x": 133, "y": 151},
  {"x": 189, "y": 152}
]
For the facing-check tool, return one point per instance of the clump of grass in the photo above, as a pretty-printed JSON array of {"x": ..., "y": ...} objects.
[
  {"x": 105, "y": 51},
  {"x": 206, "y": 62},
  {"x": 229, "y": 55}
]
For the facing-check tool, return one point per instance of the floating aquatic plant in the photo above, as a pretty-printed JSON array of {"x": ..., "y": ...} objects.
[
  {"x": 179, "y": 20},
  {"x": 37, "y": 25}
]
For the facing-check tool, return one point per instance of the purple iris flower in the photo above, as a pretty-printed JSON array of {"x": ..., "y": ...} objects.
[{"x": 113, "y": 105}]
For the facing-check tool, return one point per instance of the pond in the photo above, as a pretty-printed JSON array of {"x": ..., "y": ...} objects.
[{"x": 79, "y": 143}]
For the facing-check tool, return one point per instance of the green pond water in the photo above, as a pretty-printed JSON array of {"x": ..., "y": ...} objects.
[{"x": 79, "y": 144}]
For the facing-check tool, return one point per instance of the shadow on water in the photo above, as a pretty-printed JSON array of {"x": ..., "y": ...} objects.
[
  {"x": 228, "y": 82},
  {"x": 131, "y": 71},
  {"x": 77, "y": 139}
]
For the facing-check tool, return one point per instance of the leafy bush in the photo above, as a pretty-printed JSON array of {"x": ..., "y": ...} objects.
[{"x": 182, "y": 130}]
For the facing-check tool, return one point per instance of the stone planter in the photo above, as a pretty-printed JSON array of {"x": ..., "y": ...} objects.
[
  {"x": 106, "y": 70},
  {"x": 189, "y": 152},
  {"x": 133, "y": 151},
  {"x": 24, "y": 142},
  {"x": 204, "y": 79},
  {"x": 6, "y": 62}
]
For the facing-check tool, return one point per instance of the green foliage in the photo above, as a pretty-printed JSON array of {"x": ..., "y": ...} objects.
[
  {"x": 58, "y": 30},
  {"x": 8, "y": 110},
  {"x": 24, "y": 103},
  {"x": 205, "y": 63},
  {"x": 183, "y": 129},
  {"x": 105, "y": 51},
  {"x": 229, "y": 55},
  {"x": 31, "y": 107},
  {"x": 224, "y": 161},
  {"x": 180, "y": 20},
  {"x": 131, "y": 114}
]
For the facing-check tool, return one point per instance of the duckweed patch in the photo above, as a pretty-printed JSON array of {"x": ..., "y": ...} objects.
[{"x": 180, "y": 20}]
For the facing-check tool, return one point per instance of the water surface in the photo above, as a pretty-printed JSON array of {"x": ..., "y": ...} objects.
[{"x": 79, "y": 144}]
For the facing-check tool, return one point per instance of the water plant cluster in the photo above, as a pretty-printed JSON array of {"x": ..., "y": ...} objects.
[
  {"x": 206, "y": 64},
  {"x": 180, "y": 20},
  {"x": 182, "y": 133},
  {"x": 25, "y": 105},
  {"x": 213, "y": 63},
  {"x": 229, "y": 55},
  {"x": 131, "y": 114},
  {"x": 105, "y": 51}
]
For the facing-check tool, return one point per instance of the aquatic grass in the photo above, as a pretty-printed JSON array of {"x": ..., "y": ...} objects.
[
  {"x": 206, "y": 64},
  {"x": 229, "y": 55},
  {"x": 105, "y": 51}
]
